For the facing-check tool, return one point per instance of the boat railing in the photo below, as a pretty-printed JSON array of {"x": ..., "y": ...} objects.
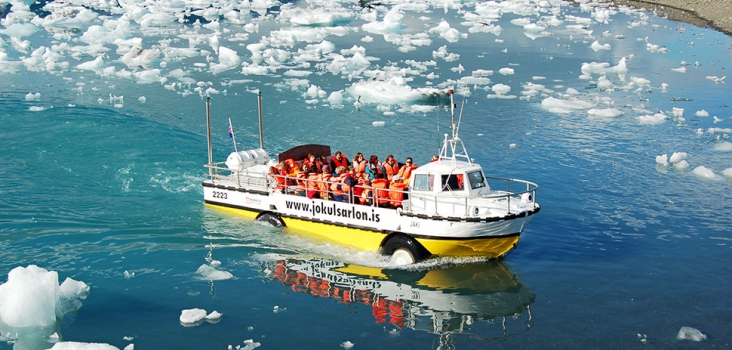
[
  {"x": 504, "y": 192},
  {"x": 220, "y": 173}
]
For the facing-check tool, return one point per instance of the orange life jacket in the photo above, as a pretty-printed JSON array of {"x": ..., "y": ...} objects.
[
  {"x": 323, "y": 186},
  {"x": 311, "y": 184},
  {"x": 396, "y": 196},
  {"x": 360, "y": 167},
  {"x": 391, "y": 170},
  {"x": 380, "y": 196},
  {"x": 406, "y": 172}
]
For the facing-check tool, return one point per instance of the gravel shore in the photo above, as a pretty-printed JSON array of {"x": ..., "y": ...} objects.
[{"x": 716, "y": 14}]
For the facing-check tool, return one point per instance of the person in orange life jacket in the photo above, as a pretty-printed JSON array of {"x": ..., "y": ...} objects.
[
  {"x": 320, "y": 162},
  {"x": 325, "y": 176},
  {"x": 379, "y": 183},
  {"x": 359, "y": 164},
  {"x": 373, "y": 167},
  {"x": 434, "y": 159},
  {"x": 309, "y": 160},
  {"x": 396, "y": 196},
  {"x": 339, "y": 159},
  {"x": 301, "y": 176},
  {"x": 361, "y": 182},
  {"x": 390, "y": 167},
  {"x": 311, "y": 183},
  {"x": 366, "y": 195},
  {"x": 341, "y": 185},
  {"x": 275, "y": 179},
  {"x": 406, "y": 170}
]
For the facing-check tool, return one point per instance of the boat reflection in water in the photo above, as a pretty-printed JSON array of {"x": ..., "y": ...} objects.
[{"x": 486, "y": 300}]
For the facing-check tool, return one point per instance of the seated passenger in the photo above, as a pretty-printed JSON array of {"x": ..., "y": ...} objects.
[
  {"x": 380, "y": 184},
  {"x": 311, "y": 184},
  {"x": 390, "y": 167},
  {"x": 406, "y": 170},
  {"x": 301, "y": 180},
  {"x": 359, "y": 164},
  {"x": 373, "y": 167},
  {"x": 309, "y": 160},
  {"x": 366, "y": 197},
  {"x": 338, "y": 186},
  {"x": 339, "y": 159},
  {"x": 396, "y": 194},
  {"x": 324, "y": 179},
  {"x": 435, "y": 158}
]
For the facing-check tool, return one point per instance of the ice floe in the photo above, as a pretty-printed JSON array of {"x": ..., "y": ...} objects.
[{"x": 689, "y": 333}]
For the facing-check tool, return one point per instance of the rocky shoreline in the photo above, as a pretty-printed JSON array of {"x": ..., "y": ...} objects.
[{"x": 715, "y": 14}]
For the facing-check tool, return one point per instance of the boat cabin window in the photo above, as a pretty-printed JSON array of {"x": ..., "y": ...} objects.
[
  {"x": 423, "y": 182},
  {"x": 452, "y": 182},
  {"x": 476, "y": 179}
]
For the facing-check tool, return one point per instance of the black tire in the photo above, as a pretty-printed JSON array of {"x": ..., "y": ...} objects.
[
  {"x": 404, "y": 243},
  {"x": 271, "y": 219}
]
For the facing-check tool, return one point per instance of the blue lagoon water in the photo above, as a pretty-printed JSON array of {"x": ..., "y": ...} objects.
[{"x": 102, "y": 166}]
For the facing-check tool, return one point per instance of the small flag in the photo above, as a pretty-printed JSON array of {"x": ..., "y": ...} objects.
[{"x": 231, "y": 130}]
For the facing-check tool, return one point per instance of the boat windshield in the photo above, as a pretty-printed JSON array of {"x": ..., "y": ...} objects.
[{"x": 476, "y": 179}]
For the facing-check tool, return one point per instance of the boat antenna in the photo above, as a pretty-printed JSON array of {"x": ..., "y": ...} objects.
[
  {"x": 208, "y": 132},
  {"x": 454, "y": 148},
  {"x": 437, "y": 119},
  {"x": 261, "y": 126},
  {"x": 460, "y": 118}
]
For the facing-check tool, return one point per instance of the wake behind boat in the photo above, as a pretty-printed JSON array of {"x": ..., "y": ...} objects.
[{"x": 447, "y": 207}]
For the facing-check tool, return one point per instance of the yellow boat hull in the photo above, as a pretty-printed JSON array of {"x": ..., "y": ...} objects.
[{"x": 363, "y": 239}]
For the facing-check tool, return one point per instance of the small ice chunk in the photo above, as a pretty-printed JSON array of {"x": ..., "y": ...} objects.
[
  {"x": 129, "y": 347},
  {"x": 723, "y": 146},
  {"x": 206, "y": 272},
  {"x": 597, "y": 46},
  {"x": 142, "y": 99},
  {"x": 214, "y": 316},
  {"x": 605, "y": 112},
  {"x": 72, "y": 345},
  {"x": 378, "y": 123},
  {"x": 347, "y": 344},
  {"x": 727, "y": 173},
  {"x": 677, "y": 157},
  {"x": 682, "y": 165},
  {"x": 662, "y": 159},
  {"x": 704, "y": 173},
  {"x": 657, "y": 118},
  {"x": 192, "y": 316},
  {"x": 688, "y": 333},
  {"x": 31, "y": 96},
  {"x": 702, "y": 113},
  {"x": 506, "y": 71},
  {"x": 36, "y": 108}
]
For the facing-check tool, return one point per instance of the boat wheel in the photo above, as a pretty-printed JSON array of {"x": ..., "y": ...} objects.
[
  {"x": 271, "y": 219},
  {"x": 404, "y": 250}
]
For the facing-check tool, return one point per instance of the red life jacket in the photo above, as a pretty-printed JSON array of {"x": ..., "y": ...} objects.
[{"x": 343, "y": 162}]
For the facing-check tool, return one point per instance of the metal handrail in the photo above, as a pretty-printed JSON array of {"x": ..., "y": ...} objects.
[{"x": 246, "y": 179}]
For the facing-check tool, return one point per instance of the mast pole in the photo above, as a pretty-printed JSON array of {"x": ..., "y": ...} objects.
[
  {"x": 208, "y": 132},
  {"x": 261, "y": 126}
]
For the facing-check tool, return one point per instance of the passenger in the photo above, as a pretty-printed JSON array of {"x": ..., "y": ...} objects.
[
  {"x": 301, "y": 180},
  {"x": 321, "y": 162},
  {"x": 367, "y": 194},
  {"x": 312, "y": 177},
  {"x": 324, "y": 179},
  {"x": 380, "y": 184},
  {"x": 360, "y": 184},
  {"x": 434, "y": 159},
  {"x": 339, "y": 159},
  {"x": 406, "y": 170},
  {"x": 390, "y": 167},
  {"x": 275, "y": 178},
  {"x": 359, "y": 164},
  {"x": 373, "y": 167},
  {"x": 396, "y": 194},
  {"x": 309, "y": 160},
  {"x": 340, "y": 189}
]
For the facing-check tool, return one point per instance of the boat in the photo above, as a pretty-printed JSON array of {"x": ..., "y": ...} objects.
[
  {"x": 487, "y": 300},
  {"x": 448, "y": 207}
]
